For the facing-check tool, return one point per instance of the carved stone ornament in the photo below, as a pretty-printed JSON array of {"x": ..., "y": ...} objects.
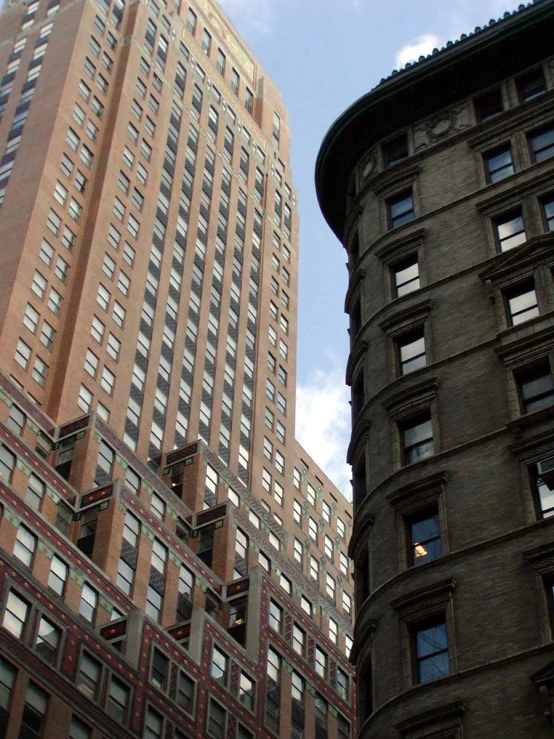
[
  {"x": 367, "y": 166},
  {"x": 444, "y": 124}
]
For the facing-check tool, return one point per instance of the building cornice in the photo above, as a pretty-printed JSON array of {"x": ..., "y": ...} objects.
[{"x": 460, "y": 70}]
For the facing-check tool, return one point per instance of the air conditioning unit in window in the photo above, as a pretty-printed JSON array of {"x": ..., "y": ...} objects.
[{"x": 545, "y": 468}]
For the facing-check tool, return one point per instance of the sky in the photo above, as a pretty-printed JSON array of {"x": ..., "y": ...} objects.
[{"x": 323, "y": 55}]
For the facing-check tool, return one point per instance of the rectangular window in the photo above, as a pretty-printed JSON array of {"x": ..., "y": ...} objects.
[
  {"x": 405, "y": 276},
  {"x": 48, "y": 640},
  {"x": 220, "y": 666},
  {"x": 521, "y": 303},
  {"x": 430, "y": 649},
  {"x": 88, "y": 677},
  {"x": 7, "y": 463},
  {"x": 531, "y": 85},
  {"x": 489, "y": 105},
  {"x": 510, "y": 230},
  {"x": 247, "y": 691},
  {"x": 217, "y": 719},
  {"x": 411, "y": 351},
  {"x": 396, "y": 150},
  {"x": 543, "y": 477},
  {"x": 89, "y": 603},
  {"x": 298, "y": 640},
  {"x": 117, "y": 700},
  {"x": 34, "y": 711},
  {"x": 542, "y": 145},
  {"x": 424, "y": 536},
  {"x": 536, "y": 387},
  {"x": 25, "y": 545},
  {"x": 401, "y": 209},
  {"x": 57, "y": 578},
  {"x": 15, "y": 615},
  {"x": 499, "y": 164},
  {"x": 275, "y": 616},
  {"x": 417, "y": 439}
]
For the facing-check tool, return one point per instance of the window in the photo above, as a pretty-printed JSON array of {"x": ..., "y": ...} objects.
[
  {"x": 16, "y": 421},
  {"x": 85, "y": 398},
  {"x": 154, "y": 725},
  {"x": 521, "y": 302},
  {"x": 536, "y": 387},
  {"x": 328, "y": 547},
  {"x": 396, "y": 150},
  {"x": 430, "y": 645},
  {"x": 298, "y": 551},
  {"x": 306, "y": 605},
  {"x": 510, "y": 230},
  {"x": 312, "y": 529},
  {"x": 48, "y": 640},
  {"x": 15, "y": 615},
  {"x": 417, "y": 439},
  {"x": 25, "y": 545},
  {"x": 23, "y": 354},
  {"x": 320, "y": 662},
  {"x": 34, "y": 711},
  {"x": 499, "y": 164},
  {"x": 297, "y": 512},
  {"x": 346, "y": 603},
  {"x": 406, "y": 276},
  {"x": 401, "y": 209},
  {"x": 89, "y": 603},
  {"x": 79, "y": 730},
  {"x": 217, "y": 719},
  {"x": 57, "y": 578},
  {"x": 330, "y": 587},
  {"x": 220, "y": 666},
  {"x": 31, "y": 318},
  {"x": 548, "y": 207},
  {"x": 88, "y": 677},
  {"x": 275, "y": 616},
  {"x": 424, "y": 536},
  {"x": 314, "y": 568},
  {"x": 185, "y": 692},
  {"x": 7, "y": 463},
  {"x": 542, "y": 145},
  {"x": 298, "y": 640},
  {"x": 246, "y": 691},
  {"x": 118, "y": 700},
  {"x": 107, "y": 381},
  {"x": 159, "y": 669},
  {"x": 544, "y": 487},
  {"x": 531, "y": 85},
  {"x": 47, "y": 335},
  {"x": 206, "y": 42},
  {"x": 191, "y": 21},
  {"x": 489, "y": 105},
  {"x": 411, "y": 351}
]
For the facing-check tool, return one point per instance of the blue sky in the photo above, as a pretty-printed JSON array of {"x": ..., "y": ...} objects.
[{"x": 323, "y": 55}]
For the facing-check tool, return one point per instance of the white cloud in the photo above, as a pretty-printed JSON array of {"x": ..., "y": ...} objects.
[
  {"x": 420, "y": 46},
  {"x": 323, "y": 423},
  {"x": 256, "y": 14}
]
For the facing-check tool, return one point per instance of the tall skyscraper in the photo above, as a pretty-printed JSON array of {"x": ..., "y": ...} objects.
[
  {"x": 440, "y": 184},
  {"x": 173, "y": 563}
]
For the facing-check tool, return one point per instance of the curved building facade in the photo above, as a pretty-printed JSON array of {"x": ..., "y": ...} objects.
[{"x": 440, "y": 184}]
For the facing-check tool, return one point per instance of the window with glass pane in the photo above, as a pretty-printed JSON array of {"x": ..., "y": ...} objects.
[
  {"x": 431, "y": 650},
  {"x": 320, "y": 662},
  {"x": 298, "y": 639},
  {"x": 35, "y": 492},
  {"x": 542, "y": 144},
  {"x": 220, "y": 666},
  {"x": 275, "y": 616},
  {"x": 246, "y": 691},
  {"x": 34, "y": 711},
  {"x": 424, "y": 536},
  {"x": 118, "y": 700},
  {"x": 106, "y": 459},
  {"x": 48, "y": 640},
  {"x": 185, "y": 692},
  {"x": 15, "y": 615},
  {"x": 510, "y": 230},
  {"x": 16, "y": 420},
  {"x": 401, "y": 209},
  {"x": 79, "y": 730},
  {"x": 89, "y": 603},
  {"x": 7, "y": 463},
  {"x": 499, "y": 164},
  {"x": 320, "y": 711},
  {"x": 396, "y": 150},
  {"x": 543, "y": 476},
  {"x": 406, "y": 276},
  {"x": 216, "y": 721},
  {"x": 522, "y": 303},
  {"x": 489, "y": 104},
  {"x": 25, "y": 545},
  {"x": 417, "y": 439},
  {"x": 153, "y": 728},
  {"x": 58, "y": 575},
  {"x": 7, "y": 679},
  {"x": 411, "y": 351},
  {"x": 531, "y": 85},
  {"x": 536, "y": 387},
  {"x": 548, "y": 207},
  {"x": 88, "y": 678}
]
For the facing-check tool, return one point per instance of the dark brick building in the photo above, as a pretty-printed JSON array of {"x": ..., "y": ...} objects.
[
  {"x": 172, "y": 563},
  {"x": 440, "y": 184}
]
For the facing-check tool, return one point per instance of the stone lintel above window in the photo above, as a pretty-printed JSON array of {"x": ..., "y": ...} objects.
[
  {"x": 510, "y": 266},
  {"x": 504, "y": 201},
  {"x": 360, "y": 436},
  {"x": 394, "y": 250},
  {"x": 442, "y": 722},
  {"x": 541, "y": 558},
  {"x": 425, "y": 601},
  {"x": 363, "y": 642},
  {"x": 354, "y": 287},
  {"x": 419, "y": 493},
  {"x": 399, "y": 319},
  {"x": 520, "y": 352},
  {"x": 390, "y": 181},
  {"x": 409, "y": 401}
]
